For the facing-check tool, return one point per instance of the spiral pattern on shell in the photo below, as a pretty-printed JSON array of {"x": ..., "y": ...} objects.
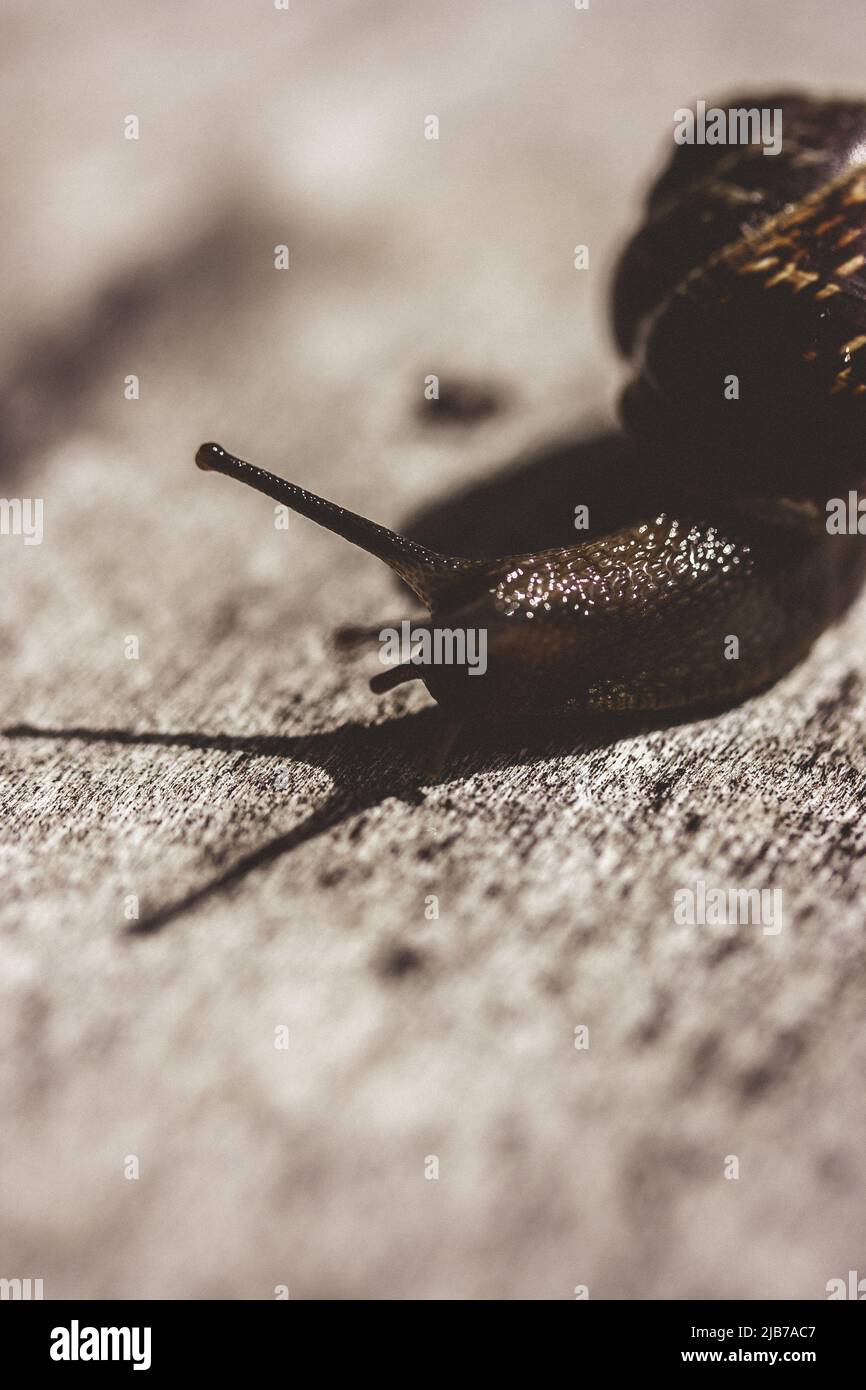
[{"x": 754, "y": 266}]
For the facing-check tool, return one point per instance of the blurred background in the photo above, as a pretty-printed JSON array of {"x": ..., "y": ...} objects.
[{"x": 236, "y": 788}]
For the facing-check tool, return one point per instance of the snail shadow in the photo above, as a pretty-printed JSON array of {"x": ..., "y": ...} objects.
[
  {"x": 530, "y": 504},
  {"x": 402, "y": 759}
]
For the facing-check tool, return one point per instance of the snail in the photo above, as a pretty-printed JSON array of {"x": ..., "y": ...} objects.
[{"x": 746, "y": 268}]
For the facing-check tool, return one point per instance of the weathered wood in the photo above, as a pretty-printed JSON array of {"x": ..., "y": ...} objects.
[{"x": 274, "y": 819}]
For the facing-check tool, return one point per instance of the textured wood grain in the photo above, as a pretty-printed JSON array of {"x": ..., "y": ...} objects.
[{"x": 277, "y": 822}]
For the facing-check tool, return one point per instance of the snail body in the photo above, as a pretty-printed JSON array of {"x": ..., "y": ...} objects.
[
  {"x": 637, "y": 619},
  {"x": 747, "y": 267}
]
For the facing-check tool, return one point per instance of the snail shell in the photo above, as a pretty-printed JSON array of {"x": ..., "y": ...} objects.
[{"x": 753, "y": 266}]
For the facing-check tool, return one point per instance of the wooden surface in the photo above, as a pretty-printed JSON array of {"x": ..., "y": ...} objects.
[{"x": 275, "y": 820}]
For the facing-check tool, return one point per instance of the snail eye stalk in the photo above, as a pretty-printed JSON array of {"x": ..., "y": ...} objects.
[{"x": 431, "y": 575}]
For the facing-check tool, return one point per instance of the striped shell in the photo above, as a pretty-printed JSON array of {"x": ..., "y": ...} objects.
[{"x": 754, "y": 265}]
